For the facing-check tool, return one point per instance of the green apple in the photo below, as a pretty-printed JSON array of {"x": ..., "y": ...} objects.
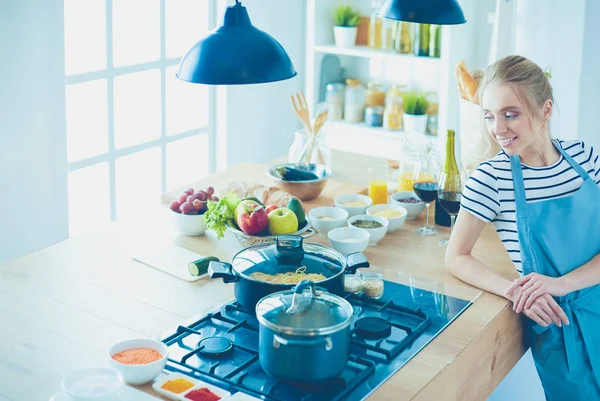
[
  {"x": 241, "y": 207},
  {"x": 282, "y": 221}
]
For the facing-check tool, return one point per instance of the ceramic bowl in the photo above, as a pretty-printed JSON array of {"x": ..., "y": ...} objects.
[
  {"x": 413, "y": 209},
  {"x": 96, "y": 384},
  {"x": 303, "y": 190},
  {"x": 189, "y": 224},
  {"x": 347, "y": 240},
  {"x": 143, "y": 373},
  {"x": 335, "y": 217},
  {"x": 375, "y": 233},
  {"x": 343, "y": 200},
  {"x": 394, "y": 222}
]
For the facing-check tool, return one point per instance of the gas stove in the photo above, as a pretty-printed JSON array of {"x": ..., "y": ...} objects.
[{"x": 222, "y": 347}]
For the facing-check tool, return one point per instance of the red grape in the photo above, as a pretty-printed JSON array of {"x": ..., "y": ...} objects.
[
  {"x": 186, "y": 208},
  {"x": 210, "y": 190},
  {"x": 182, "y": 198},
  {"x": 190, "y": 198},
  {"x": 214, "y": 198},
  {"x": 175, "y": 206},
  {"x": 189, "y": 191},
  {"x": 198, "y": 205},
  {"x": 201, "y": 196}
]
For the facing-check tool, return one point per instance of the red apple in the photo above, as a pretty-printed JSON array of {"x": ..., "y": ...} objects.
[
  {"x": 252, "y": 219},
  {"x": 270, "y": 208}
]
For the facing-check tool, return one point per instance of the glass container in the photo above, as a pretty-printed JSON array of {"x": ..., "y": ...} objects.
[
  {"x": 321, "y": 153},
  {"x": 372, "y": 284},
  {"x": 334, "y": 97},
  {"x": 354, "y": 105}
]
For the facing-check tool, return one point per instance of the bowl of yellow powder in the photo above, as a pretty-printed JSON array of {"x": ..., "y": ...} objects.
[{"x": 394, "y": 214}]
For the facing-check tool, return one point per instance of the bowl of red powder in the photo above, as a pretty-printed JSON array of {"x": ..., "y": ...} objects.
[{"x": 139, "y": 360}]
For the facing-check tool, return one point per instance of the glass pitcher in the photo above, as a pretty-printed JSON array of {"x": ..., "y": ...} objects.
[
  {"x": 414, "y": 146},
  {"x": 320, "y": 154}
]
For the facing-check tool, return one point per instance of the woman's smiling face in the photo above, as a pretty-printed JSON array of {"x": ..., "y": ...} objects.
[{"x": 506, "y": 119}]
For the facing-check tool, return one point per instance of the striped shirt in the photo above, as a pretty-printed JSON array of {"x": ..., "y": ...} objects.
[{"x": 489, "y": 193}]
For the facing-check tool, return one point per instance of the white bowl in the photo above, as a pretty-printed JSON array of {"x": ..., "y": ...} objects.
[
  {"x": 413, "y": 209},
  {"x": 198, "y": 384},
  {"x": 394, "y": 222},
  {"x": 97, "y": 384},
  {"x": 339, "y": 216},
  {"x": 376, "y": 233},
  {"x": 189, "y": 224},
  {"x": 347, "y": 240},
  {"x": 144, "y": 373},
  {"x": 353, "y": 210}
]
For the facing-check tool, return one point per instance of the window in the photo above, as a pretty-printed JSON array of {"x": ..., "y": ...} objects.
[{"x": 134, "y": 130}]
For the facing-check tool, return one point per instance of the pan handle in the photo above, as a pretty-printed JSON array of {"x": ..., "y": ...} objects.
[
  {"x": 222, "y": 270},
  {"x": 354, "y": 261}
]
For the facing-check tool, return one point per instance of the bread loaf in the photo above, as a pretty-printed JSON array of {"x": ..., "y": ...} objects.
[{"x": 267, "y": 195}]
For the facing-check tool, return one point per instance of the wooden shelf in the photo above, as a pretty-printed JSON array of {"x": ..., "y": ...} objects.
[{"x": 367, "y": 52}]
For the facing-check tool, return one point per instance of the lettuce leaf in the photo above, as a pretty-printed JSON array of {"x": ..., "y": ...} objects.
[{"x": 220, "y": 213}]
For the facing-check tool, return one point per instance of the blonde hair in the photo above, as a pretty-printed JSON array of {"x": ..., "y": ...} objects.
[{"x": 525, "y": 77}]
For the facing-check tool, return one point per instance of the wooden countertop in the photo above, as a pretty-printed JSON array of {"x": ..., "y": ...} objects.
[{"x": 62, "y": 307}]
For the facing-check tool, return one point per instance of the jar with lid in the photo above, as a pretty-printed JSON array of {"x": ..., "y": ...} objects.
[
  {"x": 374, "y": 95},
  {"x": 374, "y": 116},
  {"x": 321, "y": 153},
  {"x": 375, "y": 25},
  {"x": 353, "y": 283},
  {"x": 334, "y": 97},
  {"x": 392, "y": 116},
  {"x": 372, "y": 284},
  {"x": 354, "y": 105}
]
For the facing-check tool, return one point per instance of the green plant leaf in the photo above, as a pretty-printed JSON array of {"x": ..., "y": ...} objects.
[
  {"x": 415, "y": 103},
  {"x": 346, "y": 16}
]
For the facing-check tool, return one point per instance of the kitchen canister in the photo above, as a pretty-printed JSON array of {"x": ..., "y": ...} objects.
[
  {"x": 374, "y": 116},
  {"x": 334, "y": 97}
]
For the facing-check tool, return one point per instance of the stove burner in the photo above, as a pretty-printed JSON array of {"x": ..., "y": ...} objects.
[
  {"x": 215, "y": 347},
  {"x": 372, "y": 328}
]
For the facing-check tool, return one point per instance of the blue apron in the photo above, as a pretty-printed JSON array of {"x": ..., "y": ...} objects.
[{"x": 557, "y": 236}]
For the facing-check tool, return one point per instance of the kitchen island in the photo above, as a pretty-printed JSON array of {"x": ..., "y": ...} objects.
[{"x": 64, "y": 306}]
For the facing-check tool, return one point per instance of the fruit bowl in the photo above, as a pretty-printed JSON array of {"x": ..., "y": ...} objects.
[
  {"x": 246, "y": 240},
  {"x": 298, "y": 183},
  {"x": 187, "y": 210}
]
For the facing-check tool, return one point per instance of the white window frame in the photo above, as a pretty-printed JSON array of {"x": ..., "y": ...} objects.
[{"x": 110, "y": 72}]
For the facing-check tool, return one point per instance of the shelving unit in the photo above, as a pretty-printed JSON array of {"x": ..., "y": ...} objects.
[{"x": 367, "y": 52}]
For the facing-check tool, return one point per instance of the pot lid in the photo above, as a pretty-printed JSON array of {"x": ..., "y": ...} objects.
[
  {"x": 304, "y": 310},
  {"x": 288, "y": 254}
]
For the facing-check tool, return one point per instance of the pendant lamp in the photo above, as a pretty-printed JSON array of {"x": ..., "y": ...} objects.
[
  {"x": 236, "y": 53},
  {"x": 437, "y": 12}
]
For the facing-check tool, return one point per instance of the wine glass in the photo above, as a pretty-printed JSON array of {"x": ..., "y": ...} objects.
[
  {"x": 450, "y": 186},
  {"x": 426, "y": 188}
]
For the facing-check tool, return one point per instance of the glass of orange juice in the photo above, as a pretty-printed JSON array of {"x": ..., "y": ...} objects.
[{"x": 378, "y": 177}]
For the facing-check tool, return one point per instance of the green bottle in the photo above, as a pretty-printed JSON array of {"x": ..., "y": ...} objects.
[
  {"x": 421, "y": 39},
  {"x": 435, "y": 41}
]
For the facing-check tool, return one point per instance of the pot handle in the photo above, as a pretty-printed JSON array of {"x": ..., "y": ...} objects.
[
  {"x": 354, "y": 261},
  {"x": 222, "y": 270},
  {"x": 325, "y": 341},
  {"x": 308, "y": 233},
  {"x": 298, "y": 290}
]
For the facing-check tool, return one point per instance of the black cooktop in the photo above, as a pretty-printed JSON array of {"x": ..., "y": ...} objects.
[{"x": 222, "y": 347}]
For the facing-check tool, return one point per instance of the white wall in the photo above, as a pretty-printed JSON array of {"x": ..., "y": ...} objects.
[
  {"x": 260, "y": 121},
  {"x": 33, "y": 169}
]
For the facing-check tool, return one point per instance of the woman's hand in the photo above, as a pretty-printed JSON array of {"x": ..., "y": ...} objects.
[
  {"x": 533, "y": 286},
  {"x": 544, "y": 310}
]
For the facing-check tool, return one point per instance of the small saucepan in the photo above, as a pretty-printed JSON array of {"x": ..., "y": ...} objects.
[{"x": 279, "y": 265}]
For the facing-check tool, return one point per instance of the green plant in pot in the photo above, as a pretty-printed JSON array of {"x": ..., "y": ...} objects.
[
  {"x": 346, "y": 20},
  {"x": 415, "y": 112}
]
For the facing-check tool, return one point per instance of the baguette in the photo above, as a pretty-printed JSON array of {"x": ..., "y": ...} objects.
[
  {"x": 467, "y": 85},
  {"x": 267, "y": 195}
]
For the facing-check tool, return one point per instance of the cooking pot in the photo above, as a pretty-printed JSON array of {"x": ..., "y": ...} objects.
[
  {"x": 286, "y": 254},
  {"x": 304, "y": 333}
]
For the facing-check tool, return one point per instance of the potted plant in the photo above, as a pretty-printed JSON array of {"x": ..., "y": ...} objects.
[
  {"x": 415, "y": 108},
  {"x": 346, "y": 20}
]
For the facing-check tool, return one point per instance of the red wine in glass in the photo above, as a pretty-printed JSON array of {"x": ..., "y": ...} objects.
[
  {"x": 450, "y": 201},
  {"x": 427, "y": 191}
]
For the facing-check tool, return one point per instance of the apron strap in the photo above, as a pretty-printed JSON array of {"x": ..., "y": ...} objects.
[
  {"x": 517, "y": 174},
  {"x": 584, "y": 175}
]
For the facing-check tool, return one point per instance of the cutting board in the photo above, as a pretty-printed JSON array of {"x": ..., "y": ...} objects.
[{"x": 169, "y": 258}]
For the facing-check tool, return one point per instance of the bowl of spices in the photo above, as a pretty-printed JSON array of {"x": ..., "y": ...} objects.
[
  {"x": 181, "y": 387},
  {"x": 395, "y": 215},
  {"x": 138, "y": 360},
  {"x": 376, "y": 226},
  {"x": 410, "y": 201}
]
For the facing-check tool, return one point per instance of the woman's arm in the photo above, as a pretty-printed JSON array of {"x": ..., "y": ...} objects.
[{"x": 465, "y": 266}]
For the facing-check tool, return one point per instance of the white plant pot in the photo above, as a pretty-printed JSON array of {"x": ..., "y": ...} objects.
[
  {"x": 344, "y": 36},
  {"x": 415, "y": 123}
]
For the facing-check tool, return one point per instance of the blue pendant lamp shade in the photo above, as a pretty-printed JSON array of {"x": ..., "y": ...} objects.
[
  {"x": 437, "y": 12},
  {"x": 236, "y": 53}
]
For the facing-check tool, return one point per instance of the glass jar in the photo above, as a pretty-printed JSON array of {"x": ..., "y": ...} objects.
[
  {"x": 404, "y": 37},
  {"x": 372, "y": 284},
  {"x": 392, "y": 116},
  {"x": 374, "y": 116},
  {"x": 334, "y": 97},
  {"x": 320, "y": 154},
  {"x": 374, "y": 95},
  {"x": 375, "y": 25},
  {"x": 435, "y": 41},
  {"x": 421, "y": 43},
  {"x": 353, "y": 283},
  {"x": 354, "y": 105},
  {"x": 414, "y": 146}
]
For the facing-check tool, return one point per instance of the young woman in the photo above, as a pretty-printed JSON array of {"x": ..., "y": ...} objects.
[{"x": 543, "y": 197}]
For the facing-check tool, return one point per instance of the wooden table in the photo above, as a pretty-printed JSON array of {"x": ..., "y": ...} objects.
[{"x": 62, "y": 307}]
